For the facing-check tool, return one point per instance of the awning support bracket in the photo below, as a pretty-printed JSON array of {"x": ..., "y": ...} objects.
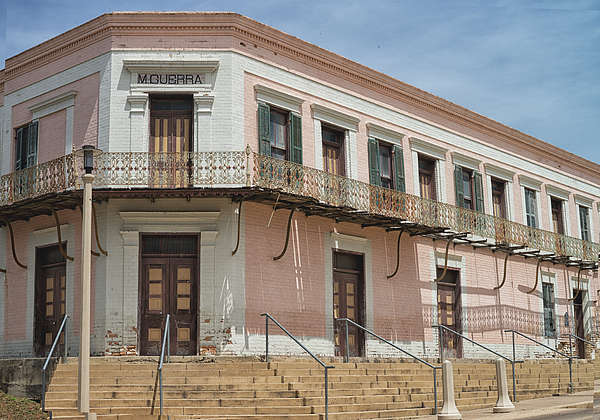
[
  {"x": 578, "y": 283},
  {"x": 537, "y": 276},
  {"x": 287, "y": 236},
  {"x": 508, "y": 254},
  {"x": 397, "y": 255},
  {"x": 12, "y": 242},
  {"x": 57, "y": 220},
  {"x": 237, "y": 245},
  {"x": 96, "y": 229},
  {"x": 450, "y": 240}
]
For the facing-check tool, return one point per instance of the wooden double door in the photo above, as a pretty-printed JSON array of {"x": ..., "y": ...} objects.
[{"x": 169, "y": 287}]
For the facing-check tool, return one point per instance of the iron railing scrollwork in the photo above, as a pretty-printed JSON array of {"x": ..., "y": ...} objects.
[{"x": 166, "y": 170}]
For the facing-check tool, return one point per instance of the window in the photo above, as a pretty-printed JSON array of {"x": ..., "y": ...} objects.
[
  {"x": 333, "y": 148},
  {"x": 498, "y": 198},
  {"x": 584, "y": 223},
  {"x": 427, "y": 178},
  {"x": 557, "y": 215},
  {"x": 530, "y": 208},
  {"x": 548, "y": 298},
  {"x": 386, "y": 164},
  {"x": 469, "y": 189},
  {"x": 280, "y": 133},
  {"x": 26, "y": 146}
]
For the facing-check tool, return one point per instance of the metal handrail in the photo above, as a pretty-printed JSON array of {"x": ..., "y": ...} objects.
[
  {"x": 549, "y": 348},
  {"x": 166, "y": 339},
  {"x": 512, "y": 362},
  {"x": 267, "y": 317},
  {"x": 397, "y": 348},
  {"x": 579, "y": 338},
  {"x": 63, "y": 325}
]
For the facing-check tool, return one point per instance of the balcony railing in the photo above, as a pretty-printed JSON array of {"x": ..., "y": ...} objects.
[{"x": 238, "y": 169}]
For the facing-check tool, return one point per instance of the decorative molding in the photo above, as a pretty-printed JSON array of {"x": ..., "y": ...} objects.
[
  {"x": 137, "y": 102},
  {"x": 531, "y": 183},
  {"x": 334, "y": 117},
  {"x": 162, "y": 221},
  {"x": 51, "y": 229},
  {"x": 384, "y": 134},
  {"x": 342, "y": 237},
  {"x": 173, "y": 66},
  {"x": 54, "y": 104},
  {"x": 557, "y": 192},
  {"x": 583, "y": 201},
  {"x": 278, "y": 99},
  {"x": 428, "y": 149},
  {"x": 465, "y": 161},
  {"x": 204, "y": 103},
  {"x": 130, "y": 238},
  {"x": 498, "y": 172}
]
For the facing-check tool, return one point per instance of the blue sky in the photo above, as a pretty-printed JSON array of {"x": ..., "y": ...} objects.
[{"x": 532, "y": 65}]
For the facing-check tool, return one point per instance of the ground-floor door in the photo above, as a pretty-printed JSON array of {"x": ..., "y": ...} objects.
[
  {"x": 579, "y": 326},
  {"x": 348, "y": 303},
  {"x": 449, "y": 314},
  {"x": 168, "y": 288},
  {"x": 50, "y": 299}
]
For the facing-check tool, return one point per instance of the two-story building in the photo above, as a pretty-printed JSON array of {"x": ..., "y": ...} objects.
[{"x": 245, "y": 171}]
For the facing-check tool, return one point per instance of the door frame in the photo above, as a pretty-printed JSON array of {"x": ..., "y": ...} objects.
[
  {"x": 38, "y": 311},
  {"x": 141, "y": 274},
  {"x": 458, "y": 305}
]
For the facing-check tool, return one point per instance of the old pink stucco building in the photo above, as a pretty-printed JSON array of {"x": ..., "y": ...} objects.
[{"x": 246, "y": 171}]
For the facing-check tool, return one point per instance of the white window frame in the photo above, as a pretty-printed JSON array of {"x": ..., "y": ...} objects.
[
  {"x": 535, "y": 185},
  {"x": 438, "y": 154},
  {"x": 582, "y": 201},
  {"x": 562, "y": 195},
  {"x": 346, "y": 123},
  {"x": 493, "y": 171}
]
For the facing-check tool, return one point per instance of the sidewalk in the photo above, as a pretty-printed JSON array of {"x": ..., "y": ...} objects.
[{"x": 533, "y": 407}]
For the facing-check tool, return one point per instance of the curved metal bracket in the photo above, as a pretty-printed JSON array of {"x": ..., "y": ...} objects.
[
  {"x": 397, "y": 256},
  {"x": 96, "y": 230},
  {"x": 94, "y": 253},
  {"x": 446, "y": 259},
  {"x": 537, "y": 276},
  {"x": 287, "y": 236},
  {"x": 2, "y": 270},
  {"x": 60, "y": 246},
  {"x": 237, "y": 245},
  {"x": 578, "y": 283},
  {"x": 12, "y": 242},
  {"x": 508, "y": 254}
]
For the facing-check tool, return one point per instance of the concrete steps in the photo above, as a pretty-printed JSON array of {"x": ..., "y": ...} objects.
[{"x": 128, "y": 388}]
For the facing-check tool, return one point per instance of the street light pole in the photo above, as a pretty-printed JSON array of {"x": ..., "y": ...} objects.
[{"x": 83, "y": 389}]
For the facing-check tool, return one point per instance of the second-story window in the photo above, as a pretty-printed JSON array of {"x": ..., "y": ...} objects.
[
  {"x": 386, "y": 165},
  {"x": 26, "y": 146},
  {"x": 333, "y": 151},
  {"x": 531, "y": 208},
  {"x": 280, "y": 133},
  {"x": 584, "y": 223},
  {"x": 557, "y": 215},
  {"x": 469, "y": 189},
  {"x": 427, "y": 178},
  {"x": 498, "y": 198}
]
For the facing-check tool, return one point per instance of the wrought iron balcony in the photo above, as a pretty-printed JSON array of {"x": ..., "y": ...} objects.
[{"x": 309, "y": 188}]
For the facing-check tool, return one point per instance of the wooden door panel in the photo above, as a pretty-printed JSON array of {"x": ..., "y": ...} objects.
[
  {"x": 52, "y": 301},
  {"x": 346, "y": 304},
  {"x": 154, "y": 296}
]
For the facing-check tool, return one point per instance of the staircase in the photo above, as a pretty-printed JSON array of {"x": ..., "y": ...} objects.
[{"x": 243, "y": 388}]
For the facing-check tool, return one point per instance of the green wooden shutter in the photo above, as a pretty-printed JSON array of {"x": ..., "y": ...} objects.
[
  {"x": 479, "y": 203},
  {"x": 296, "y": 138},
  {"x": 399, "y": 168},
  {"x": 32, "y": 138},
  {"x": 458, "y": 182},
  {"x": 374, "y": 172},
  {"x": 19, "y": 149},
  {"x": 264, "y": 137}
]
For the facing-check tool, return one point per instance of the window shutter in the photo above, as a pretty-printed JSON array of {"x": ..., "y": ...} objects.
[
  {"x": 296, "y": 138},
  {"x": 478, "y": 183},
  {"x": 374, "y": 172},
  {"x": 583, "y": 221},
  {"x": 19, "y": 149},
  {"x": 399, "y": 168},
  {"x": 264, "y": 138},
  {"x": 32, "y": 138},
  {"x": 458, "y": 182},
  {"x": 530, "y": 208}
]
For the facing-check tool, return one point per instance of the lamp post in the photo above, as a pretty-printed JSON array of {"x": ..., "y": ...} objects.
[{"x": 83, "y": 390}]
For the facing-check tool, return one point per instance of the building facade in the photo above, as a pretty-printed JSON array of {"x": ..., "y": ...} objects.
[{"x": 245, "y": 171}]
